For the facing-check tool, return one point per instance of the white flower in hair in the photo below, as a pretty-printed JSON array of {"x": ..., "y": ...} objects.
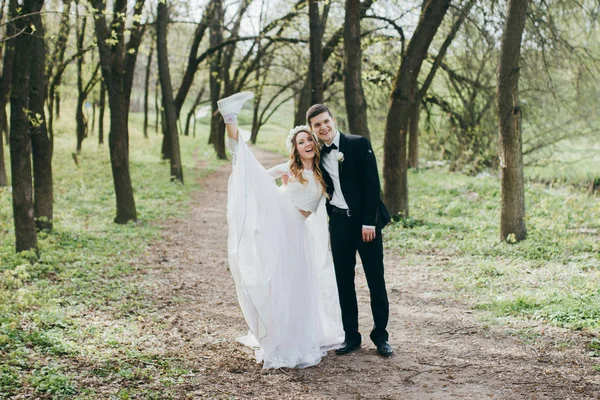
[{"x": 293, "y": 132}]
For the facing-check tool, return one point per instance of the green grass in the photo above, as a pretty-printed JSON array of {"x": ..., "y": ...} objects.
[{"x": 85, "y": 267}]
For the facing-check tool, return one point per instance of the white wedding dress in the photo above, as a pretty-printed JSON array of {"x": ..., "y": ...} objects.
[{"x": 281, "y": 264}]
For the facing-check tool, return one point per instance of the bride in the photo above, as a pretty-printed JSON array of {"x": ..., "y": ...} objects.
[{"x": 278, "y": 249}]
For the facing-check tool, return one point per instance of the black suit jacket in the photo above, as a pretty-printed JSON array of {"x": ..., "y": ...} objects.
[{"x": 359, "y": 180}]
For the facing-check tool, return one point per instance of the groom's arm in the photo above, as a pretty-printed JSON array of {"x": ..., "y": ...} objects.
[{"x": 371, "y": 187}]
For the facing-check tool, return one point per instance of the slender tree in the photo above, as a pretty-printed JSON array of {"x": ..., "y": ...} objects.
[
  {"x": 5, "y": 80},
  {"x": 101, "y": 108},
  {"x": 512, "y": 216},
  {"x": 118, "y": 64},
  {"x": 41, "y": 141},
  {"x": 83, "y": 88},
  {"x": 165, "y": 84},
  {"x": 401, "y": 103},
  {"x": 192, "y": 110},
  {"x": 356, "y": 102},
  {"x": 315, "y": 72},
  {"x": 147, "y": 86},
  {"x": 20, "y": 139}
]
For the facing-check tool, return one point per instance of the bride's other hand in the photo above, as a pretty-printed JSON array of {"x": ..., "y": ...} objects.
[{"x": 284, "y": 179}]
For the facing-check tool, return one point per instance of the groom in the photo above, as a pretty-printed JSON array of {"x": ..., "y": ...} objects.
[{"x": 356, "y": 217}]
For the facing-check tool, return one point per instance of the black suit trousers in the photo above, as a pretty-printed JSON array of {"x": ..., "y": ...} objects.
[{"x": 346, "y": 240}]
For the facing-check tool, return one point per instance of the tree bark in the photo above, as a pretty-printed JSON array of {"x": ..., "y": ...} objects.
[
  {"x": 512, "y": 216},
  {"x": 101, "y": 108},
  {"x": 167, "y": 90},
  {"x": 20, "y": 142},
  {"x": 192, "y": 111},
  {"x": 315, "y": 72},
  {"x": 5, "y": 81},
  {"x": 217, "y": 126},
  {"x": 401, "y": 103},
  {"x": 80, "y": 119},
  {"x": 118, "y": 64},
  {"x": 147, "y": 88},
  {"x": 42, "y": 145},
  {"x": 356, "y": 103}
]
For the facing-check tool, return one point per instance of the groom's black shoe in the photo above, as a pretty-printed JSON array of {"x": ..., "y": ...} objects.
[
  {"x": 347, "y": 347},
  {"x": 385, "y": 349}
]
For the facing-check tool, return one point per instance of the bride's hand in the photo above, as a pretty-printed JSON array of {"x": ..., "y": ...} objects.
[{"x": 284, "y": 179}]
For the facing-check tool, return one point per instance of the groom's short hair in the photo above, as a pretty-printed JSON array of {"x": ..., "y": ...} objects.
[{"x": 315, "y": 110}]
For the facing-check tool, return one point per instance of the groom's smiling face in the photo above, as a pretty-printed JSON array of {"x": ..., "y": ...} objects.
[{"x": 323, "y": 125}]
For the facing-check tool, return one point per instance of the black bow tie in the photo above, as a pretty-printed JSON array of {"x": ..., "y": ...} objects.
[{"x": 327, "y": 149}]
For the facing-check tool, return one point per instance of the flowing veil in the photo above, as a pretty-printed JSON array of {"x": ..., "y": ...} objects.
[{"x": 282, "y": 269}]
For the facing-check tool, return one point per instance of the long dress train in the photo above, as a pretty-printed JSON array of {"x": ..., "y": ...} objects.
[{"x": 282, "y": 269}]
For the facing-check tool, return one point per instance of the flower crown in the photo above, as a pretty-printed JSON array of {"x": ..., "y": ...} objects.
[{"x": 294, "y": 132}]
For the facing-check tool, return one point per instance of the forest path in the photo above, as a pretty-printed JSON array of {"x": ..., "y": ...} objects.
[{"x": 441, "y": 350}]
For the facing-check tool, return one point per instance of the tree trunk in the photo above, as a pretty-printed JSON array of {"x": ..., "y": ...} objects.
[
  {"x": 157, "y": 113},
  {"x": 118, "y": 63},
  {"x": 81, "y": 123},
  {"x": 101, "y": 108},
  {"x": 413, "y": 135},
  {"x": 147, "y": 89},
  {"x": 166, "y": 142},
  {"x": 20, "y": 142},
  {"x": 401, "y": 103},
  {"x": 217, "y": 126},
  {"x": 316, "y": 57},
  {"x": 41, "y": 143},
  {"x": 356, "y": 103},
  {"x": 192, "y": 111},
  {"x": 303, "y": 102},
  {"x": 3, "y": 181},
  {"x": 512, "y": 216},
  {"x": 167, "y": 90},
  {"x": 5, "y": 81}
]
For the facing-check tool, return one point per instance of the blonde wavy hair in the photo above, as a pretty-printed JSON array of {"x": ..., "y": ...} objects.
[{"x": 296, "y": 166}]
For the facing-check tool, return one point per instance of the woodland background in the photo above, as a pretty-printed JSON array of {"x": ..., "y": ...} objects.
[{"x": 483, "y": 115}]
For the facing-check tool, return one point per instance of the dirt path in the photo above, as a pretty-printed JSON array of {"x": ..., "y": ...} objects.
[{"x": 442, "y": 350}]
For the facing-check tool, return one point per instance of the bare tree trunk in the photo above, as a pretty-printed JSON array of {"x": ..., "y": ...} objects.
[
  {"x": 401, "y": 103},
  {"x": 157, "y": 113},
  {"x": 101, "y": 108},
  {"x": 192, "y": 111},
  {"x": 79, "y": 116},
  {"x": 217, "y": 126},
  {"x": 5, "y": 80},
  {"x": 41, "y": 143},
  {"x": 512, "y": 216},
  {"x": 413, "y": 134},
  {"x": 167, "y": 90},
  {"x": 118, "y": 64},
  {"x": 356, "y": 103},
  {"x": 147, "y": 88},
  {"x": 316, "y": 57},
  {"x": 20, "y": 142}
]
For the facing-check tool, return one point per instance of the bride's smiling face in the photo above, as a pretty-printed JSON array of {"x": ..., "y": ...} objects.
[{"x": 306, "y": 145}]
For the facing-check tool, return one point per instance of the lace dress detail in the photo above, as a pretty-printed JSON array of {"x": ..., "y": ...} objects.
[{"x": 305, "y": 197}]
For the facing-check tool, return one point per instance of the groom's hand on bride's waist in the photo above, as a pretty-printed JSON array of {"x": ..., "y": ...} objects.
[{"x": 368, "y": 233}]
